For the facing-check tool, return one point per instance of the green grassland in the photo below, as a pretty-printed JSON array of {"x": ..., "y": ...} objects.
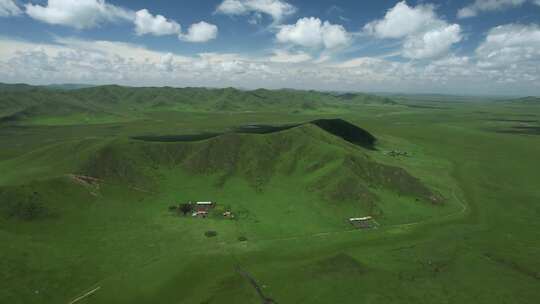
[{"x": 458, "y": 215}]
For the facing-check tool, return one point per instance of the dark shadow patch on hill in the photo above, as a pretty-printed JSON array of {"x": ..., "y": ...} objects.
[
  {"x": 347, "y": 131},
  {"x": 337, "y": 127},
  {"x": 48, "y": 109},
  {"x": 10, "y": 118},
  {"x": 16, "y": 117}
]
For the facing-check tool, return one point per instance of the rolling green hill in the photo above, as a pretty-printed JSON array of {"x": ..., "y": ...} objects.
[
  {"x": 49, "y": 108},
  {"x": 337, "y": 167},
  {"x": 313, "y": 177},
  {"x": 91, "y": 181},
  {"x": 326, "y": 163}
]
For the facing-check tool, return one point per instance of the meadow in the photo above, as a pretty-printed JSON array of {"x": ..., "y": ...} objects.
[{"x": 458, "y": 216}]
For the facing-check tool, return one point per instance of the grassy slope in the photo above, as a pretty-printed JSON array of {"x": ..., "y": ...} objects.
[{"x": 127, "y": 243}]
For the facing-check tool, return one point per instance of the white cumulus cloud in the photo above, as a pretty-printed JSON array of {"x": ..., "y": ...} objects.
[
  {"x": 84, "y": 14},
  {"x": 514, "y": 45},
  {"x": 9, "y": 8},
  {"x": 98, "y": 62},
  {"x": 80, "y": 14},
  {"x": 277, "y": 9},
  {"x": 402, "y": 20},
  {"x": 432, "y": 43},
  {"x": 424, "y": 34},
  {"x": 146, "y": 23},
  {"x": 312, "y": 32},
  {"x": 200, "y": 32},
  {"x": 479, "y": 6}
]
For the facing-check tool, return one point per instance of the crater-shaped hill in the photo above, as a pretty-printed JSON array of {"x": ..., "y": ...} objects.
[
  {"x": 317, "y": 160},
  {"x": 302, "y": 171},
  {"x": 338, "y": 127}
]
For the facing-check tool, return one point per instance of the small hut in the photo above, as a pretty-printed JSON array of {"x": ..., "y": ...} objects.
[
  {"x": 204, "y": 206},
  {"x": 365, "y": 222}
]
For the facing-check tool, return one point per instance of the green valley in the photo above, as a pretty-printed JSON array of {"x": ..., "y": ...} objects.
[{"x": 89, "y": 177}]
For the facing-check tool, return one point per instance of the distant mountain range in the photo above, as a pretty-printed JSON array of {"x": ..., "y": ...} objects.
[
  {"x": 25, "y": 87},
  {"x": 22, "y": 102},
  {"x": 69, "y": 86},
  {"x": 527, "y": 100}
]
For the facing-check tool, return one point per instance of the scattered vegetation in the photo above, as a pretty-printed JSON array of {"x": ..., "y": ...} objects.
[
  {"x": 210, "y": 234},
  {"x": 24, "y": 206},
  {"x": 185, "y": 208}
]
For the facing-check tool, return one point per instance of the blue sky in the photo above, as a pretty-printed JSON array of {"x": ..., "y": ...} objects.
[{"x": 453, "y": 46}]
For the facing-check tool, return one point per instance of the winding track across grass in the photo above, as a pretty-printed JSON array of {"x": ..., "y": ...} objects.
[
  {"x": 85, "y": 295},
  {"x": 253, "y": 282}
]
